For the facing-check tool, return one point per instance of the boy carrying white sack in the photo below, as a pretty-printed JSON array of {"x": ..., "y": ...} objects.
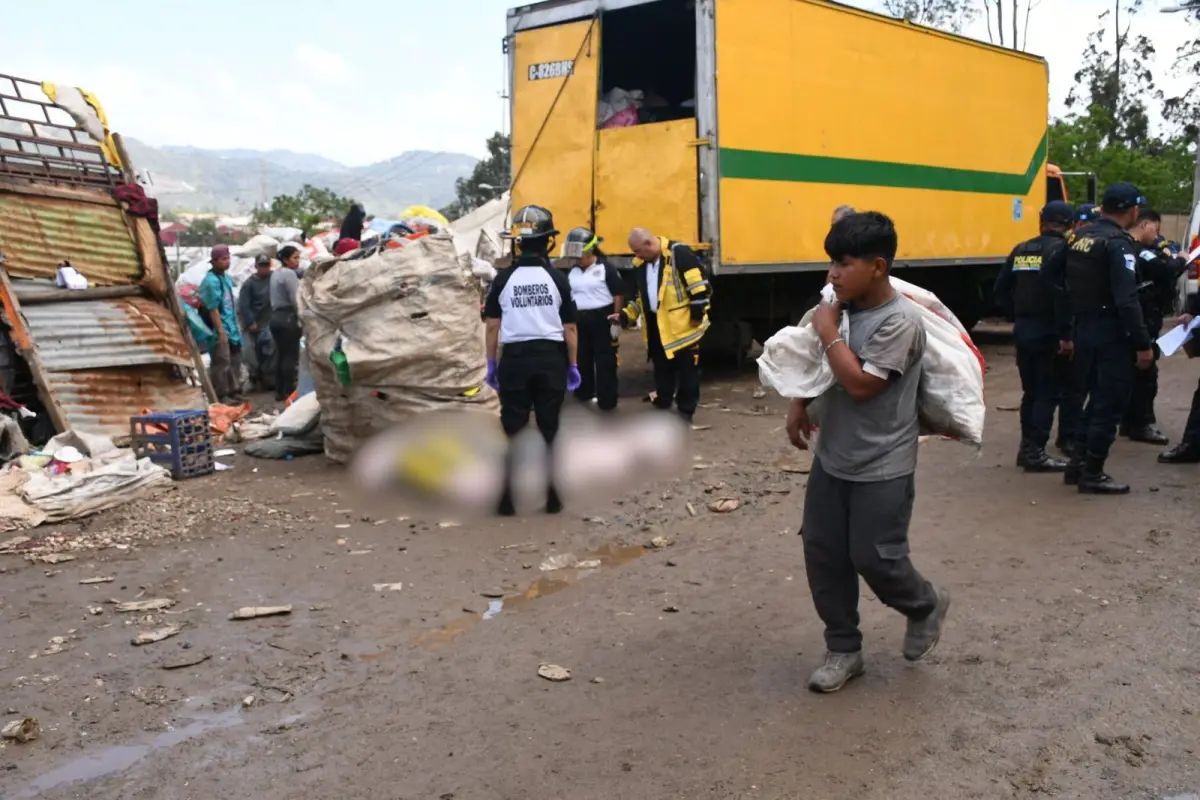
[{"x": 859, "y": 499}]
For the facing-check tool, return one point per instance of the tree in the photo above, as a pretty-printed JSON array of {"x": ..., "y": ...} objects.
[
  {"x": 1006, "y": 25},
  {"x": 487, "y": 181},
  {"x": 950, "y": 15},
  {"x": 1107, "y": 130},
  {"x": 1184, "y": 111},
  {"x": 305, "y": 210}
]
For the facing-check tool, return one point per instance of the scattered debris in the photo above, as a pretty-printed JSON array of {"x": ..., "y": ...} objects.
[
  {"x": 50, "y": 558},
  {"x": 254, "y": 612},
  {"x": 493, "y": 593},
  {"x": 560, "y": 561},
  {"x": 342, "y": 525},
  {"x": 1008, "y": 408},
  {"x": 671, "y": 609},
  {"x": 90, "y": 581},
  {"x": 340, "y": 542},
  {"x": 449, "y": 524},
  {"x": 95, "y": 611},
  {"x": 796, "y": 470},
  {"x": 21, "y": 730},
  {"x": 56, "y": 646},
  {"x": 661, "y": 542},
  {"x": 150, "y": 637},
  {"x": 518, "y": 546},
  {"x": 691, "y": 509},
  {"x": 588, "y": 563},
  {"x": 724, "y": 505},
  {"x": 247, "y": 701},
  {"x": 597, "y": 680},
  {"x": 187, "y": 662},
  {"x": 759, "y": 393},
  {"x": 228, "y": 451},
  {"x": 157, "y": 604},
  {"x": 388, "y": 587},
  {"x": 359, "y": 552},
  {"x": 553, "y": 672},
  {"x": 9, "y": 545},
  {"x": 699, "y": 428}
]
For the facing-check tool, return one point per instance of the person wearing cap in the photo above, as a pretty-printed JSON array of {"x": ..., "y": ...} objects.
[
  {"x": 672, "y": 301},
  {"x": 254, "y": 312},
  {"x": 1158, "y": 271},
  {"x": 216, "y": 299},
  {"x": 599, "y": 292},
  {"x": 531, "y": 342},
  {"x": 1028, "y": 289},
  {"x": 1110, "y": 333},
  {"x": 1087, "y": 212}
]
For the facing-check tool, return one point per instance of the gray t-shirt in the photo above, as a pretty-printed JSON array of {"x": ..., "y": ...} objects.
[
  {"x": 284, "y": 288},
  {"x": 876, "y": 440}
]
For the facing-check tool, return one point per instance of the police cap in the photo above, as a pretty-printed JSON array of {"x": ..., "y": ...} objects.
[
  {"x": 1086, "y": 212},
  {"x": 1122, "y": 197},
  {"x": 1058, "y": 211}
]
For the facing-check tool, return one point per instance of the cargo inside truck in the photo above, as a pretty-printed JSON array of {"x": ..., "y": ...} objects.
[{"x": 650, "y": 50}]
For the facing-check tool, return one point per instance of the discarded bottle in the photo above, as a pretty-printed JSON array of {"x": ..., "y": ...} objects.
[{"x": 341, "y": 364}]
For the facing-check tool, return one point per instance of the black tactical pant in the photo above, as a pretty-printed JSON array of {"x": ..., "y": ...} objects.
[
  {"x": 1036, "y": 363},
  {"x": 533, "y": 378},
  {"x": 597, "y": 358},
  {"x": 1104, "y": 368},
  {"x": 1070, "y": 399},
  {"x": 853, "y": 529},
  {"x": 1140, "y": 412},
  {"x": 676, "y": 379},
  {"x": 1191, "y": 431}
]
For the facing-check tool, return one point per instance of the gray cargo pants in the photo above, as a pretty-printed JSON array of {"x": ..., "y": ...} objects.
[{"x": 853, "y": 529}]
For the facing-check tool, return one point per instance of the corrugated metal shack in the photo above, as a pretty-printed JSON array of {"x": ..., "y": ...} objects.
[{"x": 92, "y": 358}]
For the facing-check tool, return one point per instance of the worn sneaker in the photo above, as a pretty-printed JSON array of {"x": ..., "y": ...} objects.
[
  {"x": 922, "y": 635},
  {"x": 836, "y": 672}
]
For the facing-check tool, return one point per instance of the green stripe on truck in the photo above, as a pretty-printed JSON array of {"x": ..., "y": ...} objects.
[{"x": 757, "y": 165}]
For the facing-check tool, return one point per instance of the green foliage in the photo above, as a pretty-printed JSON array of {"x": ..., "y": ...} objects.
[
  {"x": 948, "y": 15},
  {"x": 488, "y": 181},
  {"x": 305, "y": 210},
  {"x": 1111, "y": 135},
  {"x": 203, "y": 233}
]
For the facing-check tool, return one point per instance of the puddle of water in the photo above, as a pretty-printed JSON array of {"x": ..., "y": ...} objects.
[{"x": 111, "y": 760}]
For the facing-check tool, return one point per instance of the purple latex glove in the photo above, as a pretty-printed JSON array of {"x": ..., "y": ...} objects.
[
  {"x": 491, "y": 379},
  {"x": 573, "y": 378}
]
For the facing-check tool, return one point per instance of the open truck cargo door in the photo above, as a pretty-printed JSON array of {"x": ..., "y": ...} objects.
[
  {"x": 959, "y": 168},
  {"x": 646, "y": 177},
  {"x": 555, "y": 74}
]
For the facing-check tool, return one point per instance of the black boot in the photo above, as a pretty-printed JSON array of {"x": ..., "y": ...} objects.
[
  {"x": 1182, "y": 453},
  {"x": 1074, "y": 470},
  {"x": 1095, "y": 481},
  {"x": 1038, "y": 460},
  {"x": 1023, "y": 453},
  {"x": 1065, "y": 446},
  {"x": 1148, "y": 434},
  {"x": 553, "y": 501}
]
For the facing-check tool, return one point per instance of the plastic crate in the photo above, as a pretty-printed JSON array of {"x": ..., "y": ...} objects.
[{"x": 180, "y": 441}]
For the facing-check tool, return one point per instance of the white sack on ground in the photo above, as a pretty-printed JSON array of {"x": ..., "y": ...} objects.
[
  {"x": 950, "y": 397},
  {"x": 71, "y": 496},
  {"x": 409, "y": 322}
]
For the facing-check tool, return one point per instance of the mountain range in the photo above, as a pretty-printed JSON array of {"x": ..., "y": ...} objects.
[{"x": 235, "y": 181}]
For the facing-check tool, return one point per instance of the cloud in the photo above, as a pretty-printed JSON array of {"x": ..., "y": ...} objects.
[{"x": 323, "y": 65}]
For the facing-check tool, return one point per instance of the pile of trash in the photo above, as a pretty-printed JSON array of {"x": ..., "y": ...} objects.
[
  {"x": 391, "y": 331},
  {"x": 75, "y": 475},
  {"x": 620, "y": 108}
]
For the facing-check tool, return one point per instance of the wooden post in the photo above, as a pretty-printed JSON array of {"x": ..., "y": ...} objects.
[
  {"x": 28, "y": 350},
  {"x": 172, "y": 298}
]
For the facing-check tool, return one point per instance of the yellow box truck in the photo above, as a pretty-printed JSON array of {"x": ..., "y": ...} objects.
[{"x": 738, "y": 126}]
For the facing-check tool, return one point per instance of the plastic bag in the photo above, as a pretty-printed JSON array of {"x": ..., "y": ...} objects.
[
  {"x": 950, "y": 397},
  {"x": 624, "y": 118}
]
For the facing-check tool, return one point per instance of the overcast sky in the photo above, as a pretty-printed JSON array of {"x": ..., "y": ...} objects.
[{"x": 302, "y": 76}]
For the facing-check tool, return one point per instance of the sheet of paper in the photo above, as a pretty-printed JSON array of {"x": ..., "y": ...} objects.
[{"x": 1172, "y": 340}]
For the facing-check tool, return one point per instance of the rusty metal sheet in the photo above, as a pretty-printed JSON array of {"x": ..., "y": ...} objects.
[
  {"x": 102, "y": 400},
  {"x": 88, "y": 334},
  {"x": 38, "y": 233}
]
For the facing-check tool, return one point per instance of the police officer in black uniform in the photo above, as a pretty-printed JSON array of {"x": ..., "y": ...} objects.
[
  {"x": 1110, "y": 334},
  {"x": 1158, "y": 271},
  {"x": 531, "y": 341},
  {"x": 1042, "y": 330}
]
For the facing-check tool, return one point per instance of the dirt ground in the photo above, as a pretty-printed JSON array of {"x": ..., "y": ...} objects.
[{"x": 1068, "y": 667}]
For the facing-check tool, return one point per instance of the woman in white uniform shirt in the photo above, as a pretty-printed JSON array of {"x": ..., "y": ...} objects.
[{"x": 598, "y": 291}]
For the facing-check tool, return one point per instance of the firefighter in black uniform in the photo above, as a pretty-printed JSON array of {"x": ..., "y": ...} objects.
[
  {"x": 1042, "y": 330},
  {"x": 1158, "y": 271},
  {"x": 1110, "y": 334},
  {"x": 531, "y": 342}
]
